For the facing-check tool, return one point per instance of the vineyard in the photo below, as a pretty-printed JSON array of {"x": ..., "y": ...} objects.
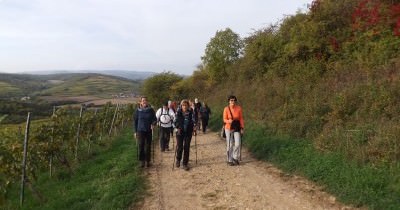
[{"x": 57, "y": 143}]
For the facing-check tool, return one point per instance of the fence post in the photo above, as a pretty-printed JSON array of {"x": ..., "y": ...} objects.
[{"x": 28, "y": 120}]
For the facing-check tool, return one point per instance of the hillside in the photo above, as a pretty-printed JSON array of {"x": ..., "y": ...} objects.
[
  {"x": 19, "y": 85},
  {"x": 15, "y": 85},
  {"x": 132, "y": 75},
  {"x": 331, "y": 75},
  {"x": 20, "y": 93},
  {"x": 91, "y": 84}
]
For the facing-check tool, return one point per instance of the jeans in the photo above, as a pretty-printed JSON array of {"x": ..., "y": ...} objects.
[{"x": 232, "y": 145}]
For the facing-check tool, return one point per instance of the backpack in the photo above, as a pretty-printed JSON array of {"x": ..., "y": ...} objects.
[{"x": 165, "y": 118}]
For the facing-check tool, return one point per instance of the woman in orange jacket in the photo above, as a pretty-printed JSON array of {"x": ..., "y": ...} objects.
[{"x": 234, "y": 128}]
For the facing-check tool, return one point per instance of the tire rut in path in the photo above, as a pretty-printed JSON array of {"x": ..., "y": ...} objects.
[{"x": 212, "y": 184}]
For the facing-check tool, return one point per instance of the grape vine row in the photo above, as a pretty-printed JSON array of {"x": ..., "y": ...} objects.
[{"x": 53, "y": 142}]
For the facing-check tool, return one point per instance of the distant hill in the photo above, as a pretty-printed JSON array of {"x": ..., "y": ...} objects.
[
  {"x": 66, "y": 84},
  {"x": 132, "y": 75}
]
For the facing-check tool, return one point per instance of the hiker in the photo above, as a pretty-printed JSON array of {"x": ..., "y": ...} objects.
[
  {"x": 193, "y": 108},
  {"x": 185, "y": 124},
  {"x": 205, "y": 113},
  {"x": 172, "y": 106},
  {"x": 234, "y": 128},
  {"x": 165, "y": 117},
  {"x": 144, "y": 119},
  {"x": 196, "y": 108}
]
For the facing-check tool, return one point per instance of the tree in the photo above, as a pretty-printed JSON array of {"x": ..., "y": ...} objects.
[
  {"x": 223, "y": 49},
  {"x": 158, "y": 87}
]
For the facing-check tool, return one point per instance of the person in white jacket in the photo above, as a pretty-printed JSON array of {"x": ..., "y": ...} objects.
[{"x": 165, "y": 118}]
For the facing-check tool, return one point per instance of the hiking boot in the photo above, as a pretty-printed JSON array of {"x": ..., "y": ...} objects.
[
  {"x": 236, "y": 161},
  {"x": 231, "y": 164},
  {"x": 178, "y": 164},
  {"x": 142, "y": 164},
  {"x": 186, "y": 167},
  {"x": 148, "y": 164}
]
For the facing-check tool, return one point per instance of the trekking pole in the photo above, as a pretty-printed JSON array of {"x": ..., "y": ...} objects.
[
  {"x": 152, "y": 139},
  {"x": 137, "y": 146},
  {"x": 229, "y": 147},
  {"x": 173, "y": 142},
  {"x": 159, "y": 138},
  {"x": 195, "y": 144},
  {"x": 176, "y": 148},
  {"x": 241, "y": 143}
]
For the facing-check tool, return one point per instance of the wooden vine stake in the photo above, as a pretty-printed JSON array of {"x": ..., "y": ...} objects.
[
  {"x": 23, "y": 176},
  {"x": 112, "y": 122}
]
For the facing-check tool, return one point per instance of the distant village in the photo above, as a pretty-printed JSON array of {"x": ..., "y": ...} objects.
[
  {"x": 124, "y": 95},
  {"x": 25, "y": 98}
]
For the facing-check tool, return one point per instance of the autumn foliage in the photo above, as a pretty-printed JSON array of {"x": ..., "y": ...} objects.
[
  {"x": 375, "y": 15},
  {"x": 321, "y": 74}
]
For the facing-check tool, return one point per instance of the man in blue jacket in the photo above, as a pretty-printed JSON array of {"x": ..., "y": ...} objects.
[{"x": 145, "y": 119}]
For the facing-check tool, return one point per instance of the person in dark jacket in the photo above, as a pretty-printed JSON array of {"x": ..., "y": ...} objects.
[
  {"x": 145, "y": 119},
  {"x": 196, "y": 110},
  {"x": 185, "y": 124},
  {"x": 205, "y": 113}
]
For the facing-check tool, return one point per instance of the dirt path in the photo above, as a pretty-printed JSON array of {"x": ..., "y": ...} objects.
[{"x": 212, "y": 184}]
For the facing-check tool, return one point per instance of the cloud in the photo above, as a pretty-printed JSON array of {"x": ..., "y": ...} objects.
[{"x": 151, "y": 35}]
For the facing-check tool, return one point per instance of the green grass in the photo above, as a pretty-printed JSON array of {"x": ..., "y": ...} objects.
[
  {"x": 110, "y": 179},
  {"x": 376, "y": 187},
  {"x": 8, "y": 89}
]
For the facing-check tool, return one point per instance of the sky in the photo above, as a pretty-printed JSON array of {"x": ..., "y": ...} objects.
[{"x": 136, "y": 35}]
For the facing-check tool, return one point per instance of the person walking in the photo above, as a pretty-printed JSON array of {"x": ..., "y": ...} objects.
[
  {"x": 234, "y": 129},
  {"x": 185, "y": 125},
  {"x": 196, "y": 109},
  {"x": 205, "y": 113},
  {"x": 165, "y": 117},
  {"x": 172, "y": 105},
  {"x": 144, "y": 119}
]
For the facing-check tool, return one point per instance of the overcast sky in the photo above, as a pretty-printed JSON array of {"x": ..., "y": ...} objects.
[{"x": 137, "y": 35}]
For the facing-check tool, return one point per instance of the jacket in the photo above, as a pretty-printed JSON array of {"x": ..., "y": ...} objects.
[
  {"x": 144, "y": 118},
  {"x": 185, "y": 121},
  {"x": 237, "y": 115}
]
